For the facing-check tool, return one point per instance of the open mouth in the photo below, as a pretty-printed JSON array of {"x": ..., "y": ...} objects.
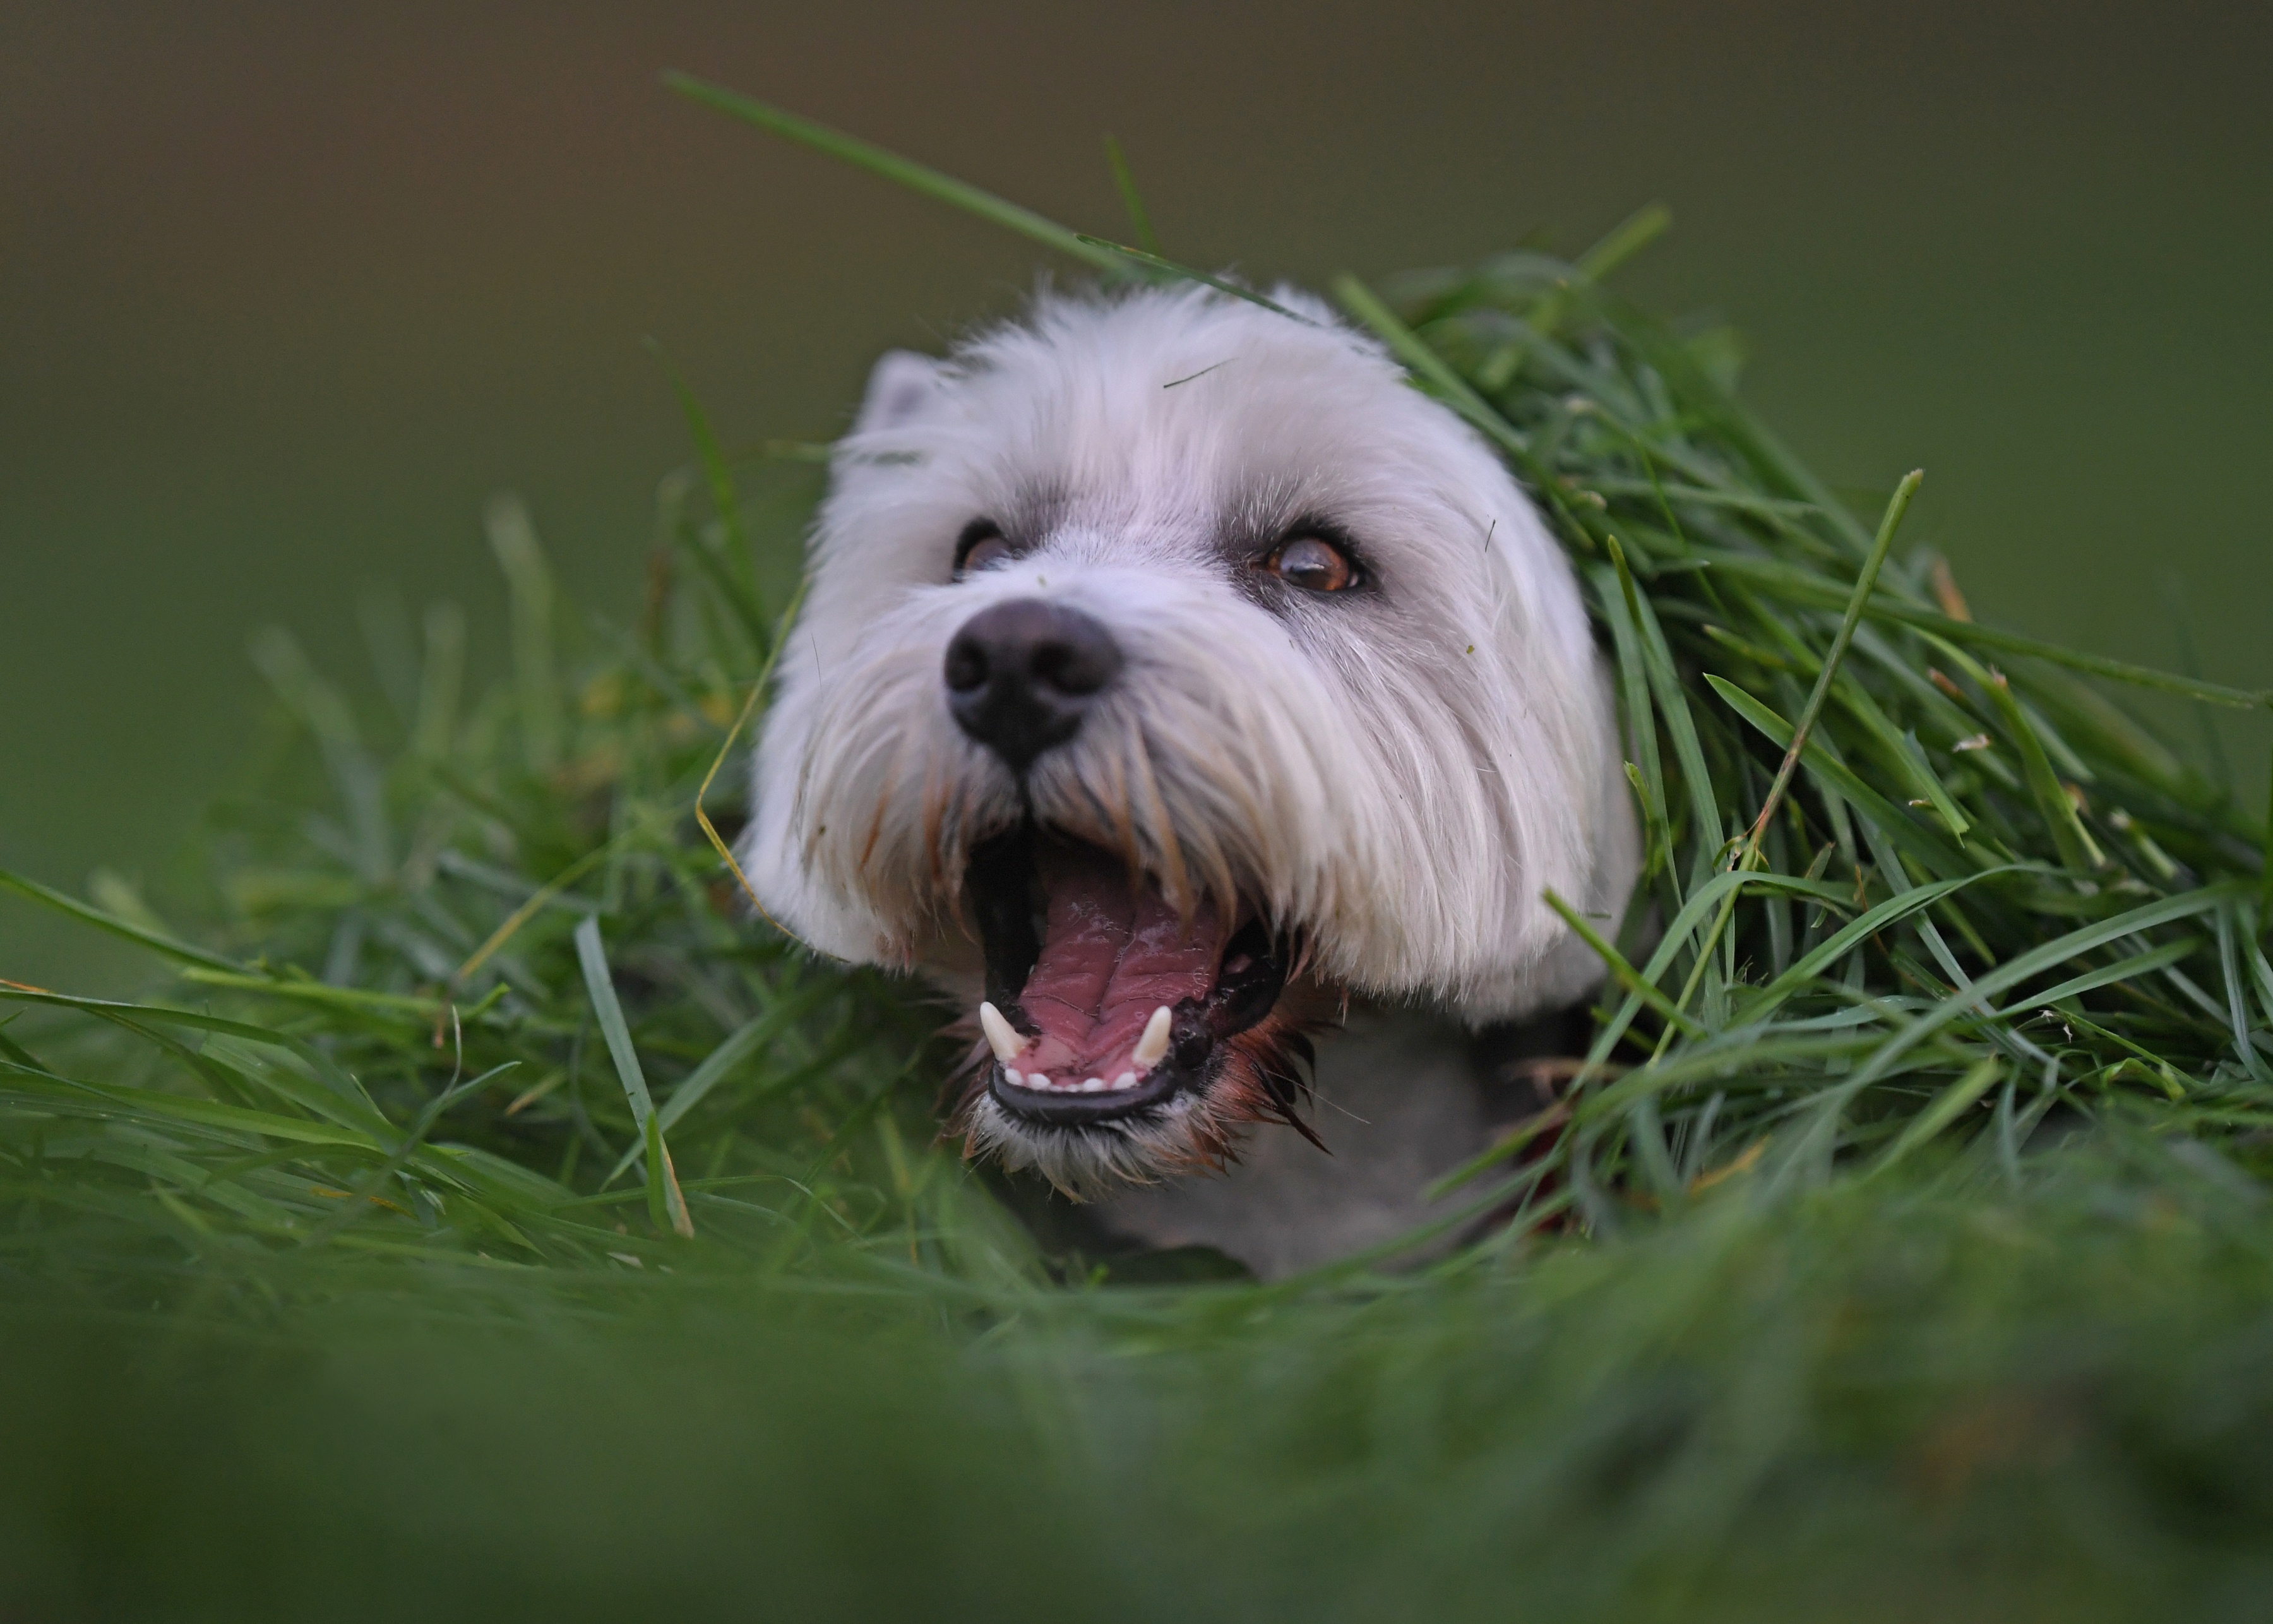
[{"x": 1104, "y": 1001}]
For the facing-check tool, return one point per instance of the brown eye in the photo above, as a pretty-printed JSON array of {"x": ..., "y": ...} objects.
[
  {"x": 1312, "y": 563},
  {"x": 981, "y": 544}
]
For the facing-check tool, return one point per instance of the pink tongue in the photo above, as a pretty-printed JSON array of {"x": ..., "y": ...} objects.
[{"x": 1112, "y": 953}]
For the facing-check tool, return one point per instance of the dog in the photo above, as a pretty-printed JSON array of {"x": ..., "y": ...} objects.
[{"x": 1205, "y": 712}]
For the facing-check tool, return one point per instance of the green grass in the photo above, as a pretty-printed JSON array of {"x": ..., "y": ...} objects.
[{"x": 489, "y": 1216}]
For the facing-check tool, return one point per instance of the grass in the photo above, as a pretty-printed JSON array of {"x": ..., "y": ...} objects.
[{"x": 489, "y": 1216}]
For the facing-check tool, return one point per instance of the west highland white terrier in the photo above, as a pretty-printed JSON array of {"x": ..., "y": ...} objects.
[{"x": 1206, "y": 711}]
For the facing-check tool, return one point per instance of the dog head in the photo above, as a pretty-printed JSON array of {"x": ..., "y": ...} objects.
[{"x": 1172, "y": 669}]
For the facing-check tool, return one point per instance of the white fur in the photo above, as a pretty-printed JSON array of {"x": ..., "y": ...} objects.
[{"x": 1397, "y": 772}]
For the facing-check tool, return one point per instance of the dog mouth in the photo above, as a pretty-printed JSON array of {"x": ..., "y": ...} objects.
[{"x": 1104, "y": 1000}]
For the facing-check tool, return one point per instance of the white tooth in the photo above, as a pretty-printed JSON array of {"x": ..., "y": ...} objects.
[
  {"x": 1016, "y": 1078},
  {"x": 1127, "y": 1079},
  {"x": 1095, "y": 1085},
  {"x": 1036, "y": 1080},
  {"x": 1001, "y": 1036},
  {"x": 1152, "y": 1048}
]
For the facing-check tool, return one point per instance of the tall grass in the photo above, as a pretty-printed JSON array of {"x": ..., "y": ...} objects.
[{"x": 1913, "y": 1172}]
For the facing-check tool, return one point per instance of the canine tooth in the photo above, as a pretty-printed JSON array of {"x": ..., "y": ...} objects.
[
  {"x": 1001, "y": 1036},
  {"x": 1153, "y": 1047},
  {"x": 1127, "y": 1079}
]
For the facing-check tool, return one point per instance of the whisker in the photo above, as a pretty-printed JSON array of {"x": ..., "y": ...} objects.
[{"x": 1173, "y": 880}]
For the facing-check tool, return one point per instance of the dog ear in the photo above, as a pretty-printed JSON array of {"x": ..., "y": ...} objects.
[{"x": 901, "y": 387}]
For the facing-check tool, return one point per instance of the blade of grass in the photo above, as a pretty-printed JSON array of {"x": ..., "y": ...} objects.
[
  {"x": 325, "y": 712},
  {"x": 158, "y": 1109},
  {"x": 737, "y": 1046},
  {"x": 539, "y": 900},
  {"x": 2265, "y": 872},
  {"x": 2077, "y": 849},
  {"x": 2262, "y": 974},
  {"x": 441, "y": 675},
  {"x": 1913, "y": 837},
  {"x": 1425, "y": 363},
  {"x": 666, "y": 1205},
  {"x": 2237, "y": 994},
  {"x": 1812, "y": 593},
  {"x": 2123, "y": 970},
  {"x": 1864, "y": 582},
  {"x": 1633, "y": 681},
  {"x": 742, "y": 720},
  {"x": 87, "y": 913},
  {"x": 1155, "y": 264},
  {"x": 1752, "y": 1056},
  {"x": 530, "y": 589},
  {"x": 915, "y": 177},
  {"x": 11, "y": 1049},
  {"x": 1803, "y": 732},
  {"x": 1947, "y": 1106},
  {"x": 337, "y": 1097},
  {"x": 422, "y": 1012},
  {"x": 413, "y": 1141},
  {"x": 1627, "y": 238},
  {"x": 2060, "y": 951},
  {"x": 1680, "y": 725},
  {"x": 1693, "y": 915},
  {"x": 1853, "y": 935},
  {"x": 731, "y": 571},
  {"x": 1624, "y": 974},
  {"x": 1125, "y": 182}
]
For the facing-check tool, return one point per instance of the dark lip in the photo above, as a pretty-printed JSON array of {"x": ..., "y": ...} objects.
[
  {"x": 1075, "y": 1110},
  {"x": 1000, "y": 892}
]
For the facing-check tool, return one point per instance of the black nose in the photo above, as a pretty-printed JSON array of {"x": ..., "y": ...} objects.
[{"x": 1020, "y": 675}]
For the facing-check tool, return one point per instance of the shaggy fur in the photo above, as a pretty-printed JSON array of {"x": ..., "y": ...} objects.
[{"x": 1391, "y": 776}]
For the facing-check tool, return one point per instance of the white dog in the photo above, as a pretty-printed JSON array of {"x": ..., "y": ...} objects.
[{"x": 1175, "y": 674}]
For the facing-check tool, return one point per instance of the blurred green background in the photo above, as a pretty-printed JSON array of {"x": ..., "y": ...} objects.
[{"x": 286, "y": 291}]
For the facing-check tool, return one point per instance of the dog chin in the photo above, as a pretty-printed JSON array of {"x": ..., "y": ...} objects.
[
  {"x": 1123, "y": 1038},
  {"x": 1084, "y": 1161}
]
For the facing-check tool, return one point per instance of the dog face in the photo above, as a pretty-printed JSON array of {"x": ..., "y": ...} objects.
[{"x": 1171, "y": 669}]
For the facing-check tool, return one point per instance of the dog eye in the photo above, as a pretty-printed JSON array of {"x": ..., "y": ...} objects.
[
  {"x": 1312, "y": 563},
  {"x": 981, "y": 544}
]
